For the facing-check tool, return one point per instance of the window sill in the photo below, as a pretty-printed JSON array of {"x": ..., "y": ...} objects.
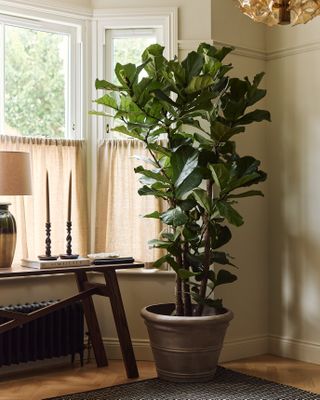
[
  {"x": 145, "y": 271},
  {"x": 154, "y": 272}
]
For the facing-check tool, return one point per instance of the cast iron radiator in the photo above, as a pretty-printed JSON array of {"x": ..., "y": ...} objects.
[{"x": 60, "y": 333}]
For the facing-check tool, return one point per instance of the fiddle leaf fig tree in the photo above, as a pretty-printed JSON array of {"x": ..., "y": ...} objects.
[{"x": 188, "y": 114}]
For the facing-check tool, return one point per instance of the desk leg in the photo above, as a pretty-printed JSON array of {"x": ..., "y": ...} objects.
[
  {"x": 121, "y": 324},
  {"x": 92, "y": 323}
]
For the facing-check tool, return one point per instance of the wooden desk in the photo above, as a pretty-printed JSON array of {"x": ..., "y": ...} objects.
[{"x": 86, "y": 290}]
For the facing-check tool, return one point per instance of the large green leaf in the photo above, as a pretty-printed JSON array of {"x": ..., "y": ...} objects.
[
  {"x": 147, "y": 191},
  {"x": 184, "y": 161},
  {"x": 190, "y": 183},
  {"x": 227, "y": 211},
  {"x": 192, "y": 64},
  {"x": 202, "y": 198},
  {"x": 224, "y": 277},
  {"x": 157, "y": 176},
  {"x": 199, "y": 83},
  {"x": 125, "y": 73},
  {"x": 220, "y": 257},
  {"x": 220, "y": 235},
  {"x": 174, "y": 217},
  {"x": 108, "y": 100},
  {"x": 154, "y": 214},
  {"x": 249, "y": 193},
  {"x": 254, "y": 116},
  {"x": 105, "y": 85},
  {"x": 125, "y": 131}
]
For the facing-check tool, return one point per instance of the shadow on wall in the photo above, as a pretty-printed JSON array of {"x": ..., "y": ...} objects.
[{"x": 294, "y": 212}]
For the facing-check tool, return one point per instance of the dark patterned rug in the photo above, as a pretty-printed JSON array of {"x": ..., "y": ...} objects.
[{"x": 227, "y": 385}]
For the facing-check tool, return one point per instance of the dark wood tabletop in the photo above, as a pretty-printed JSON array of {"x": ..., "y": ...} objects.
[{"x": 18, "y": 270}]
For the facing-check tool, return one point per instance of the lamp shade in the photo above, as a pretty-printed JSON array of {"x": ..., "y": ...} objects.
[{"x": 15, "y": 174}]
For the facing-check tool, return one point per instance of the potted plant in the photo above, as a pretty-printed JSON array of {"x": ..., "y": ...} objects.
[{"x": 187, "y": 114}]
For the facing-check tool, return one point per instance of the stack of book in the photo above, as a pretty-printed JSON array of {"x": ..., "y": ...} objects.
[
  {"x": 46, "y": 264},
  {"x": 95, "y": 259}
]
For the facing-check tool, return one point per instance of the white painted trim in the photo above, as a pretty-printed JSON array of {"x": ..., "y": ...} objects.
[
  {"x": 164, "y": 17},
  {"x": 236, "y": 349},
  {"x": 293, "y": 348},
  {"x": 232, "y": 350},
  {"x": 292, "y": 51},
  {"x": 189, "y": 45},
  {"x": 56, "y": 7}
]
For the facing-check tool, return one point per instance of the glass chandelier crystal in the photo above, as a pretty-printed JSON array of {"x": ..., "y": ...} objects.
[{"x": 274, "y": 12}]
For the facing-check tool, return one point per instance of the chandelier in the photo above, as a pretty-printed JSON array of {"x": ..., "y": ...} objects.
[{"x": 281, "y": 12}]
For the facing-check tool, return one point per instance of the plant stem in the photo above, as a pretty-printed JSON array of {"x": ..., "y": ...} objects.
[
  {"x": 207, "y": 251},
  {"x": 179, "y": 302},
  {"x": 186, "y": 285}
]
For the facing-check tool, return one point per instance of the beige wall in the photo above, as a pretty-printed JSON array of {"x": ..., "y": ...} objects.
[
  {"x": 248, "y": 297},
  {"x": 294, "y": 229},
  {"x": 231, "y": 26}
]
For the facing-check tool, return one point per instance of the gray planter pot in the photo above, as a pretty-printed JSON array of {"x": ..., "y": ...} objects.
[{"x": 185, "y": 349}]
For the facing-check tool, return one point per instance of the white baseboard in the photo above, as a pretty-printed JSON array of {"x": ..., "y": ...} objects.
[
  {"x": 233, "y": 349},
  {"x": 245, "y": 347},
  {"x": 293, "y": 348}
]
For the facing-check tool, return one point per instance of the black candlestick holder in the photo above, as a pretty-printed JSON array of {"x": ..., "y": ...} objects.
[
  {"x": 69, "y": 255},
  {"x": 48, "y": 256}
]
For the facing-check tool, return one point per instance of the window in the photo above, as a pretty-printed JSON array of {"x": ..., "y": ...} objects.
[
  {"x": 117, "y": 199},
  {"x": 37, "y": 71},
  {"x": 126, "y": 46},
  {"x": 48, "y": 63}
]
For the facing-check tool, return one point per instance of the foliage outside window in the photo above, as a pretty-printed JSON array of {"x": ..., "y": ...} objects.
[{"x": 35, "y": 83}]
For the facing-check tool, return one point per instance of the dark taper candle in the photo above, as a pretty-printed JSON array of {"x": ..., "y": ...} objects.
[
  {"x": 70, "y": 197},
  {"x": 47, "y": 198}
]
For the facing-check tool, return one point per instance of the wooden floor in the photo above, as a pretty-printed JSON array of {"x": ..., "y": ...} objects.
[{"x": 54, "y": 381}]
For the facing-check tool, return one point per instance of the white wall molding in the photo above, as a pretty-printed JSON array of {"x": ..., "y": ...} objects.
[
  {"x": 164, "y": 17},
  {"x": 232, "y": 350},
  {"x": 292, "y": 348},
  {"x": 292, "y": 51},
  {"x": 244, "y": 347},
  {"x": 58, "y": 7},
  {"x": 242, "y": 51},
  {"x": 189, "y": 45}
]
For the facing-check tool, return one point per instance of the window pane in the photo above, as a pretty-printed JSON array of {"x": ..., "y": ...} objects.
[
  {"x": 36, "y": 69},
  {"x": 129, "y": 49}
]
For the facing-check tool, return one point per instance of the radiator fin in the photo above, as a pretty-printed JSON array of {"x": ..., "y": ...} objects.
[{"x": 57, "y": 334}]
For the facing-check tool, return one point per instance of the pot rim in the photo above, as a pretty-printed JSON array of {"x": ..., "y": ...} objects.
[{"x": 152, "y": 316}]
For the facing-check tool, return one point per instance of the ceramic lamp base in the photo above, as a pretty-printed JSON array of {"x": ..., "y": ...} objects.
[{"x": 8, "y": 236}]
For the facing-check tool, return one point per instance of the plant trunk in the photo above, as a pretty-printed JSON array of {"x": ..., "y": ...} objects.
[
  {"x": 207, "y": 255},
  {"x": 179, "y": 302},
  {"x": 186, "y": 286}
]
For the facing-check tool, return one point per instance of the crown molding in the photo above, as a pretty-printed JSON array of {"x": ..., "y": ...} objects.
[
  {"x": 292, "y": 51},
  {"x": 53, "y": 7},
  {"x": 188, "y": 45}
]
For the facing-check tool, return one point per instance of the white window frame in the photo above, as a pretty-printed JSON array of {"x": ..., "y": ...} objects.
[
  {"x": 74, "y": 119},
  {"x": 165, "y": 19}
]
